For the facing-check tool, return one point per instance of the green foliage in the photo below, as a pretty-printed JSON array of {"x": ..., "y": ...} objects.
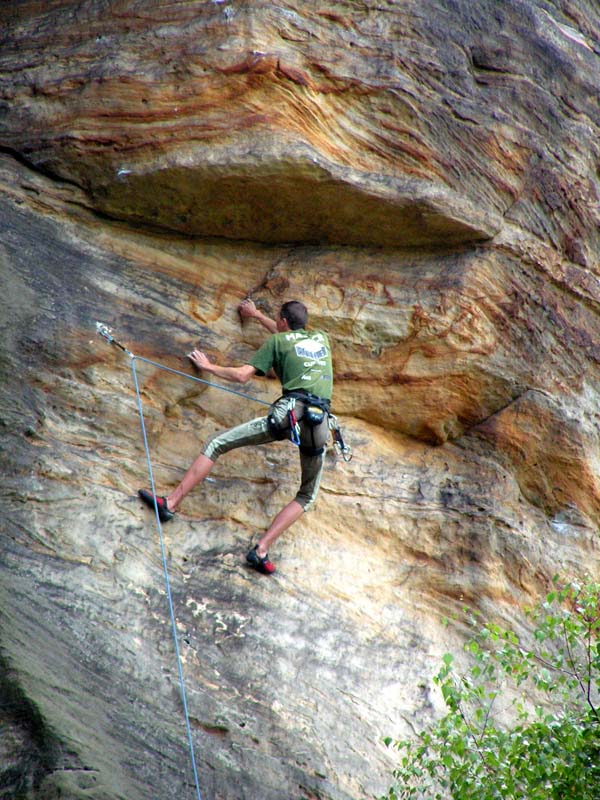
[{"x": 524, "y": 722}]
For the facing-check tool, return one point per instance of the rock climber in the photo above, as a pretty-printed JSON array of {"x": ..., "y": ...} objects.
[{"x": 301, "y": 360}]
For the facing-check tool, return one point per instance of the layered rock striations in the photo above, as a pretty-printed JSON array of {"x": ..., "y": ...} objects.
[{"x": 425, "y": 175}]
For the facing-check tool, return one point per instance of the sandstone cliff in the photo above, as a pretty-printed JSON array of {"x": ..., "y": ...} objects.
[{"x": 426, "y": 175}]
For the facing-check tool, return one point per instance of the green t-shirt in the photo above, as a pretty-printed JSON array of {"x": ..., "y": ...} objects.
[{"x": 301, "y": 360}]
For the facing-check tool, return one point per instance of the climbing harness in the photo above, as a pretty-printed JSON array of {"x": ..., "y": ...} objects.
[
  {"x": 308, "y": 428},
  {"x": 314, "y": 413}
]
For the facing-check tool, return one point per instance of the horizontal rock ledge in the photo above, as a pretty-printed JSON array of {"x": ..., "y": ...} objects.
[{"x": 287, "y": 198}]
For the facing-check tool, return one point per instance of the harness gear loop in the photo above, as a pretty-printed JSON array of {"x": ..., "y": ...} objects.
[
  {"x": 294, "y": 426},
  {"x": 282, "y": 420}
]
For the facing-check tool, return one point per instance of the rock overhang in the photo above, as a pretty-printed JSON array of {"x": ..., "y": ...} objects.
[{"x": 278, "y": 194}]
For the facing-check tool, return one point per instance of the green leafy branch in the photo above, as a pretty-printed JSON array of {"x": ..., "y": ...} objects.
[{"x": 523, "y": 722}]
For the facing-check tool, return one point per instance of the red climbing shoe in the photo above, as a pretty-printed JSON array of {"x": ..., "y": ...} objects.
[
  {"x": 260, "y": 563},
  {"x": 164, "y": 514}
]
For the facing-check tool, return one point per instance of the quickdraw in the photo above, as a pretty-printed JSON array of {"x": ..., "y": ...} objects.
[
  {"x": 338, "y": 439},
  {"x": 106, "y": 333},
  {"x": 294, "y": 426}
]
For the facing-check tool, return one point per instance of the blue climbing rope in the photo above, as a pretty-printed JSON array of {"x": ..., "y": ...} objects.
[
  {"x": 106, "y": 333},
  {"x": 201, "y": 380},
  {"x": 167, "y": 581}
]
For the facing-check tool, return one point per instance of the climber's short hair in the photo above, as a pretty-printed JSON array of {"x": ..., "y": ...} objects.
[{"x": 295, "y": 314}]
